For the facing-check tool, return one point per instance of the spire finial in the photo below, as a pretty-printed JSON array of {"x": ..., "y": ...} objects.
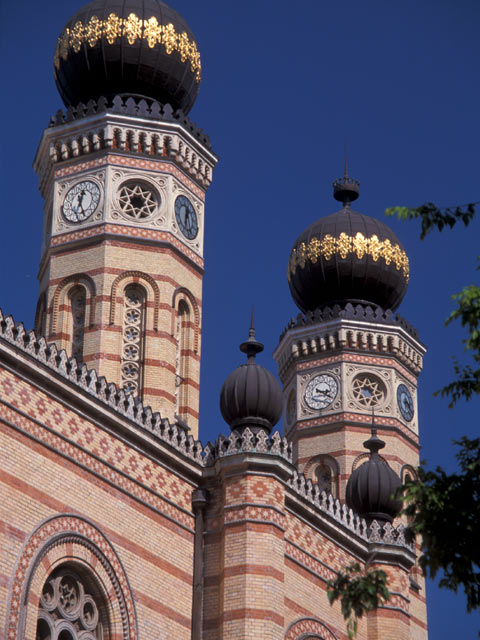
[
  {"x": 251, "y": 347},
  {"x": 346, "y": 189},
  {"x": 373, "y": 444},
  {"x": 251, "y": 332}
]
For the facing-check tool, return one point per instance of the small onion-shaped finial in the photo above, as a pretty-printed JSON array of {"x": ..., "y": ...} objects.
[
  {"x": 346, "y": 189},
  {"x": 251, "y": 396},
  {"x": 371, "y": 487}
]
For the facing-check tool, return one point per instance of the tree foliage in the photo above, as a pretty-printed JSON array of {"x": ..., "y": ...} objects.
[
  {"x": 359, "y": 592},
  {"x": 432, "y": 217},
  {"x": 444, "y": 509},
  {"x": 467, "y": 377}
]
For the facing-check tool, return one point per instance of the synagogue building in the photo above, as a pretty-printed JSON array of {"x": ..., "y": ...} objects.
[{"x": 116, "y": 521}]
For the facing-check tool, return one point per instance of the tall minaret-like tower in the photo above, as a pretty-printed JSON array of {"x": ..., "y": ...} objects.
[
  {"x": 124, "y": 174},
  {"x": 347, "y": 357}
]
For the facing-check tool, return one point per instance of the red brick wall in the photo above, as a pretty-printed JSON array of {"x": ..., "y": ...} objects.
[{"x": 56, "y": 460}]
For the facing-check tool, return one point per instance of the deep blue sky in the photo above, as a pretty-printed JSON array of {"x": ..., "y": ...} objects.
[{"x": 284, "y": 83}]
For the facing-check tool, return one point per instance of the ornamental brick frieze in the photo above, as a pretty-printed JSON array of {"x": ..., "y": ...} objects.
[
  {"x": 253, "y": 513},
  {"x": 353, "y": 419},
  {"x": 134, "y": 163},
  {"x": 361, "y": 359},
  {"x": 120, "y": 466},
  {"x": 309, "y": 562},
  {"x": 254, "y": 489},
  {"x": 126, "y": 232},
  {"x": 314, "y": 544}
]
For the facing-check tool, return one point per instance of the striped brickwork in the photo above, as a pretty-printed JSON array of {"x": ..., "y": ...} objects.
[
  {"x": 334, "y": 436},
  {"x": 110, "y": 249},
  {"x": 268, "y": 558},
  {"x": 105, "y": 268},
  {"x": 76, "y": 491}
]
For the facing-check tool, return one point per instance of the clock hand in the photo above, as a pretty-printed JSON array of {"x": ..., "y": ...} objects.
[
  {"x": 323, "y": 392},
  {"x": 81, "y": 196}
]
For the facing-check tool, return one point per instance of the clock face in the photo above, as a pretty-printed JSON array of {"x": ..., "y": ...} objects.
[
  {"x": 81, "y": 201},
  {"x": 321, "y": 391},
  {"x": 405, "y": 402},
  {"x": 186, "y": 217}
]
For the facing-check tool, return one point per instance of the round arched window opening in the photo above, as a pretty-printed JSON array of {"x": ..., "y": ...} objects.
[
  {"x": 368, "y": 390},
  {"x": 138, "y": 200},
  {"x": 324, "y": 478},
  {"x": 71, "y": 608}
]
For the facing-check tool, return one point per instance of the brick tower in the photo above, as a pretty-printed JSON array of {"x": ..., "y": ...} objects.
[
  {"x": 124, "y": 177},
  {"x": 345, "y": 358},
  {"x": 348, "y": 363}
]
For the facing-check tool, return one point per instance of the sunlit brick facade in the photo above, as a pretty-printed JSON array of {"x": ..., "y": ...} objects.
[{"x": 116, "y": 522}]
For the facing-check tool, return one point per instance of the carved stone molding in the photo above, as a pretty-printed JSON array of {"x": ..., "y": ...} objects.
[
  {"x": 309, "y": 628},
  {"x": 70, "y": 541}
]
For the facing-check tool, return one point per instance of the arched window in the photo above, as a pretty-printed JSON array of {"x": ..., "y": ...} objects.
[
  {"x": 324, "y": 471},
  {"x": 78, "y": 301},
  {"x": 133, "y": 339},
  {"x": 71, "y": 608},
  {"x": 323, "y": 474},
  {"x": 182, "y": 361}
]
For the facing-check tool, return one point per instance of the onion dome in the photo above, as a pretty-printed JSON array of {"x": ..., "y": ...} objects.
[
  {"x": 347, "y": 257},
  {"x": 251, "y": 396},
  {"x": 371, "y": 486},
  {"x": 134, "y": 47}
]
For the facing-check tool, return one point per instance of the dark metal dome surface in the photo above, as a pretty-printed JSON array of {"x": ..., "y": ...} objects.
[
  {"x": 371, "y": 486},
  {"x": 347, "y": 257},
  {"x": 134, "y": 47},
  {"x": 251, "y": 396}
]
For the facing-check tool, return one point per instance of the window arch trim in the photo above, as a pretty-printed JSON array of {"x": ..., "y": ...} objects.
[
  {"x": 142, "y": 279},
  {"x": 324, "y": 459},
  {"x": 181, "y": 293},
  {"x": 304, "y": 628},
  {"x": 62, "y": 291},
  {"x": 407, "y": 469},
  {"x": 40, "y": 314},
  {"x": 44, "y": 551}
]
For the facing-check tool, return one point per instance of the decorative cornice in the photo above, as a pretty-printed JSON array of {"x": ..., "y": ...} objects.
[
  {"x": 326, "y": 503},
  {"x": 248, "y": 442},
  {"x": 360, "y": 312},
  {"x": 360, "y": 330},
  {"x": 97, "y": 387},
  {"x": 345, "y": 245},
  {"x": 132, "y": 409},
  {"x": 149, "y": 110},
  {"x": 132, "y": 28}
]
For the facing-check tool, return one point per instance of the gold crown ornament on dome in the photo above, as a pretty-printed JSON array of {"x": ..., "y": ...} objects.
[
  {"x": 141, "y": 48},
  {"x": 347, "y": 257},
  {"x": 132, "y": 28},
  {"x": 344, "y": 245}
]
